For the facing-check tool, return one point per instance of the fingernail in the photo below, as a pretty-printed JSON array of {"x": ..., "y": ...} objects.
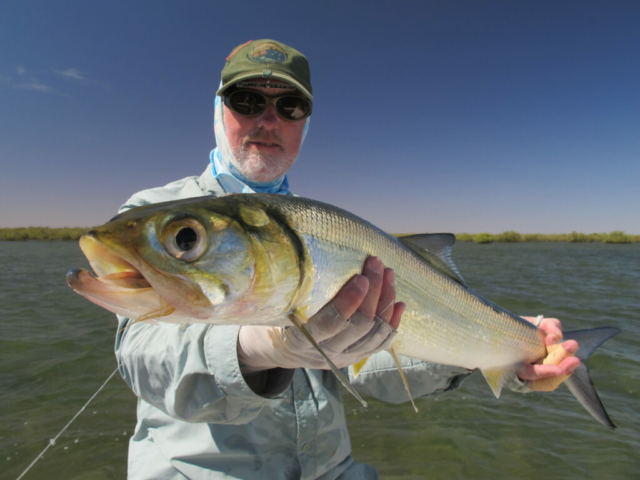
[
  {"x": 376, "y": 264},
  {"x": 362, "y": 283},
  {"x": 391, "y": 277},
  {"x": 553, "y": 339},
  {"x": 571, "y": 370},
  {"x": 570, "y": 347}
]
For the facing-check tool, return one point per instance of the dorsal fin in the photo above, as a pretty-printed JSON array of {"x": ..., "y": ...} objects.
[{"x": 435, "y": 248}]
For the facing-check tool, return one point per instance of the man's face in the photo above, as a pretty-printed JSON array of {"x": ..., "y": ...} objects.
[{"x": 265, "y": 146}]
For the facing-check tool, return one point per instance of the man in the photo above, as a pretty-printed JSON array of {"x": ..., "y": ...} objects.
[{"x": 259, "y": 402}]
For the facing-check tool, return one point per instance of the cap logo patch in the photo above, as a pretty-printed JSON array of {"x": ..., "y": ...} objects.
[{"x": 267, "y": 52}]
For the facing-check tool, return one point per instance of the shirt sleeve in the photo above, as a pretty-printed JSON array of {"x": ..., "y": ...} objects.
[
  {"x": 380, "y": 378},
  {"x": 192, "y": 373}
]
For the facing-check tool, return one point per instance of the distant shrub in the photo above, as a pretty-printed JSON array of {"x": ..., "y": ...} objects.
[
  {"x": 575, "y": 237},
  {"x": 509, "y": 236},
  {"x": 533, "y": 237},
  {"x": 556, "y": 237},
  {"x": 617, "y": 236},
  {"x": 14, "y": 234},
  {"x": 41, "y": 233},
  {"x": 483, "y": 238},
  {"x": 464, "y": 237}
]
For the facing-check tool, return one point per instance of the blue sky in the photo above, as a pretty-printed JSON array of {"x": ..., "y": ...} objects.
[{"x": 461, "y": 116}]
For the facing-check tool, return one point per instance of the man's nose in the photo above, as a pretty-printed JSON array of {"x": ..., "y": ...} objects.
[{"x": 268, "y": 118}]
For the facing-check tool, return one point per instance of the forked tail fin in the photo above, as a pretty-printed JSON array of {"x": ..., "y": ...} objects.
[{"x": 580, "y": 383}]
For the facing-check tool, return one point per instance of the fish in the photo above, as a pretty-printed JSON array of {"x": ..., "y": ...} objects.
[{"x": 275, "y": 260}]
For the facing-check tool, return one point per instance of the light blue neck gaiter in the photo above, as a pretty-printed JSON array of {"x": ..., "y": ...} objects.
[{"x": 223, "y": 166}]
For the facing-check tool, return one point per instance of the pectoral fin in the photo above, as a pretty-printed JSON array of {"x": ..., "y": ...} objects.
[
  {"x": 299, "y": 322},
  {"x": 404, "y": 378}
]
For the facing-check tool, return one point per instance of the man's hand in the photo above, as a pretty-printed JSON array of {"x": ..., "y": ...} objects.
[
  {"x": 367, "y": 301},
  {"x": 553, "y": 331}
]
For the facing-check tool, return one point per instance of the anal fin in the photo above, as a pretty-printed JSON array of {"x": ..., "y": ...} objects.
[{"x": 497, "y": 377}]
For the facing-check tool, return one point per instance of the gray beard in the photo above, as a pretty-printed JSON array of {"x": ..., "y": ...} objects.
[{"x": 259, "y": 167}]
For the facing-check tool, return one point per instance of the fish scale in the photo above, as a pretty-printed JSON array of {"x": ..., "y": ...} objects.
[{"x": 443, "y": 322}]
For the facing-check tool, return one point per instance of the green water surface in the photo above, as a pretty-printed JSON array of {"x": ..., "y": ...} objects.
[{"x": 56, "y": 349}]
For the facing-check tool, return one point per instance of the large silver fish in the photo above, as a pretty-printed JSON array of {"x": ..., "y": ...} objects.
[{"x": 271, "y": 259}]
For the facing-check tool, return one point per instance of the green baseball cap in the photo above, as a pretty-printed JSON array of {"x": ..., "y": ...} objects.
[{"x": 267, "y": 59}]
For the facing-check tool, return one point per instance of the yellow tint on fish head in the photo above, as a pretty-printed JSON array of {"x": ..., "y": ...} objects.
[
  {"x": 206, "y": 250},
  {"x": 253, "y": 216},
  {"x": 279, "y": 259},
  {"x": 197, "y": 260}
]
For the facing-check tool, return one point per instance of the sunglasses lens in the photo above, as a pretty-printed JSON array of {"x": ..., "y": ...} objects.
[
  {"x": 247, "y": 103},
  {"x": 250, "y": 103},
  {"x": 293, "y": 108}
]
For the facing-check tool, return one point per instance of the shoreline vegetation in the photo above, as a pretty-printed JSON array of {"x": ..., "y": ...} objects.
[{"x": 510, "y": 236}]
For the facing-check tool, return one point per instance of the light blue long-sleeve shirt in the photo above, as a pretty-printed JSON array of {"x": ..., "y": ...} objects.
[{"x": 198, "y": 418}]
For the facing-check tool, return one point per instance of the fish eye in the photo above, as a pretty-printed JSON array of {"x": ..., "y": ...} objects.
[{"x": 185, "y": 239}]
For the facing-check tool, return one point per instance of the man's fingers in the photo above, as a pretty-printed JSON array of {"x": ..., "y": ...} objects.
[
  {"x": 350, "y": 297},
  {"x": 373, "y": 270},
  {"x": 359, "y": 326},
  {"x": 553, "y": 329},
  {"x": 398, "y": 310},
  {"x": 378, "y": 338},
  {"x": 327, "y": 323},
  {"x": 535, "y": 372},
  {"x": 384, "y": 309},
  {"x": 570, "y": 346},
  {"x": 368, "y": 295},
  {"x": 565, "y": 367}
]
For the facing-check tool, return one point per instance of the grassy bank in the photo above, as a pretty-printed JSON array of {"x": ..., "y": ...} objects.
[
  {"x": 41, "y": 233},
  {"x": 46, "y": 233},
  {"x": 574, "y": 237}
]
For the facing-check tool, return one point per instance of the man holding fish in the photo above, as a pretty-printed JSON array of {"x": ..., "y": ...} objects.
[{"x": 229, "y": 401}]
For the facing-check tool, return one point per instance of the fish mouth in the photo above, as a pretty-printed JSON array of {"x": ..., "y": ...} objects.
[
  {"x": 116, "y": 283},
  {"x": 111, "y": 268}
]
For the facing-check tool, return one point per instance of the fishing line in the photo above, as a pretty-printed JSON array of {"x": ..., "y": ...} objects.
[{"x": 52, "y": 441}]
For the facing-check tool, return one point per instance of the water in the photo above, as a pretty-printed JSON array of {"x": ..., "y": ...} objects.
[{"x": 57, "y": 349}]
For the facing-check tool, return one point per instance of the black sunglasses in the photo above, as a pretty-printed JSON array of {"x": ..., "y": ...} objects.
[{"x": 251, "y": 103}]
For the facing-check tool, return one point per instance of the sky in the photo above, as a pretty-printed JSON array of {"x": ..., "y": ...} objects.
[{"x": 429, "y": 116}]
